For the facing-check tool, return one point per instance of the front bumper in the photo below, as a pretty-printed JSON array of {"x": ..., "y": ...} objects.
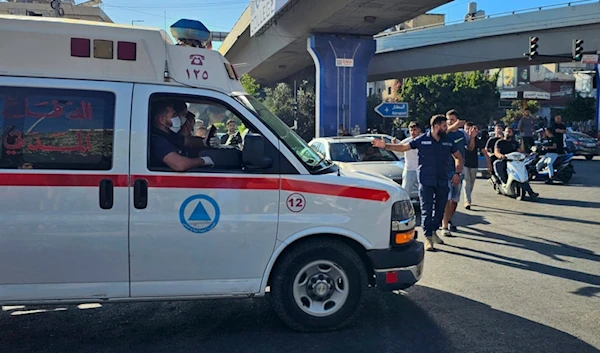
[{"x": 398, "y": 268}]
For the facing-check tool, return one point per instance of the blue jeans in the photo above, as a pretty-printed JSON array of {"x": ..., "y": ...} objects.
[{"x": 433, "y": 203}]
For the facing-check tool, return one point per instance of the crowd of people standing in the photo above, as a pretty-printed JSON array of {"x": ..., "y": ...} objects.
[{"x": 442, "y": 160}]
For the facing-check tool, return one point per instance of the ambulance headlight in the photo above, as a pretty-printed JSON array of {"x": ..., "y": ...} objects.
[{"x": 402, "y": 210}]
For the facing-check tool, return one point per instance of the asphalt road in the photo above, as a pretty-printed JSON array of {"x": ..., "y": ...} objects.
[{"x": 520, "y": 277}]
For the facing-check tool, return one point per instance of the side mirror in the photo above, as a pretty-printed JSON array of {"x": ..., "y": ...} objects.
[{"x": 253, "y": 154}]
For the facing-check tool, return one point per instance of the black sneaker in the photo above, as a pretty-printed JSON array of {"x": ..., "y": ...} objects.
[{"x": 452, "y": 227}]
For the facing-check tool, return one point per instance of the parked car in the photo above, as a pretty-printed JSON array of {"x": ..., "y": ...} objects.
[
  {"x": 581, "y": 144},
  {"x": 357, "y": 153},
  {"x": 387, "y": 139}
]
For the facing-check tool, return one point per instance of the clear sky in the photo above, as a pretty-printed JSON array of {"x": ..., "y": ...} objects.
[{"x": 221, "y": 15}]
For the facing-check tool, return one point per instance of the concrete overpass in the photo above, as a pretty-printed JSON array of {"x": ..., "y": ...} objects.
[
  {"x": 487, "y": 43},
  {"x": 330, "y": 30}
]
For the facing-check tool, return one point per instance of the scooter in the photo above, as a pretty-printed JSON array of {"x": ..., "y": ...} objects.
[
  {"x": 563, "y": 168},
  {"x": 517, "y": 184}
]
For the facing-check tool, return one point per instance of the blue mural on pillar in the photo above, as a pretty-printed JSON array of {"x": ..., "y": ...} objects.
[{"x": 341, "y": 66}]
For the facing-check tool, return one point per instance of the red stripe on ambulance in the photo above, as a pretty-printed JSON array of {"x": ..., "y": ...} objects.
[
  {"x": 65, "y": 180},
  {"x": 195, "y": 182}
]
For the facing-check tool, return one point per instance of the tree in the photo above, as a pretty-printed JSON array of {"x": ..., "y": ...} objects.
[
  {"x": 516, "y": 113},
  {"x": 280, "y": 100},
  {"x": 472, "y": 94},
  {"x": 250, "y": 85},
  {"x": 580, "y": 109}
]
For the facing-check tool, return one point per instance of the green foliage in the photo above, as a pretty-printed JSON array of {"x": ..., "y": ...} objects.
[
  {"x": 280, "y": 100},
  {"x": 250, "y": 85},
  {"x": 472, "y": 94},
  {"x": 516, "y": 113},
  {"x": 580, "y": 109}
]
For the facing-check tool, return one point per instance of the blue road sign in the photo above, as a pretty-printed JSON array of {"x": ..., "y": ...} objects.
[
  {"x": 392, "y": 110},
  {"x": 199, "y": 220}
]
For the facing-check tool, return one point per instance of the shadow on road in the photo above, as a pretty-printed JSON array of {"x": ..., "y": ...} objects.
[
  {"x": 545, "y": 247},
  {"x": 536, "y": 215},
  {"x": 569, "y": 203},
  {"x": 427, "y": 320}
]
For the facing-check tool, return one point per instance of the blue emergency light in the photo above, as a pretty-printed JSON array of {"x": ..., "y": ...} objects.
[{"x": 191, "y": 33}]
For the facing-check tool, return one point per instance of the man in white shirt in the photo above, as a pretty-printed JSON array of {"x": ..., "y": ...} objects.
[{"x": 410, "y": 181}]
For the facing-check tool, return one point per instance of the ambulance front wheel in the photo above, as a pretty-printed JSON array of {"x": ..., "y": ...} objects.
[{"x": 319, "y": 286}]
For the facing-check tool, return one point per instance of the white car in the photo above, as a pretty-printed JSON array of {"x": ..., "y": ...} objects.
[
  {"x": 357, "y": 153},
  {"x": 386, "y": 138}
]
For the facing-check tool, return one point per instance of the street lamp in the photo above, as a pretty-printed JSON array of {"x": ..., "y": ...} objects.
[{"x": 132, "y": 21}]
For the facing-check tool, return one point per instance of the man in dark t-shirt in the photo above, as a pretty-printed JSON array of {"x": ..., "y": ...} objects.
[
  {"x": 167, "y": 146},
  {"x": 472, "y": 161},
  {"x": 502, "y": 148},
  {"x": 549, "y": 147},
  {"x": 558, "y": 130},
  {"x": 491, "y": 143}
]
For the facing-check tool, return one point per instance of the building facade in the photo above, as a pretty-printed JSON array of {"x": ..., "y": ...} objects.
[{"x": 88, "y": 11}]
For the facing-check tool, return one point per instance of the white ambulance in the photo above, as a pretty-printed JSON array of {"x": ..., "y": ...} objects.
[{"x": 88, "y": 214}]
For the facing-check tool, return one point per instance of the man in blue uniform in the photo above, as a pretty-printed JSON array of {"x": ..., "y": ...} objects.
[{"x": 435, "y": 150}]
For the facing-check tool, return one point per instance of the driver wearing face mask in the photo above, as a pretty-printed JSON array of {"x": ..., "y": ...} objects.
[{"x": 167, "y": 147}]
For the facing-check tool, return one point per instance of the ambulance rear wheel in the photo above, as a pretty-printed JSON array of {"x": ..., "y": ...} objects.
[{"x": 319, "y": 286}]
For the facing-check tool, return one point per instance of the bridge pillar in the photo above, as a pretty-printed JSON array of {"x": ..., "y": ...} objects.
[{"x": 341, "y": 64}]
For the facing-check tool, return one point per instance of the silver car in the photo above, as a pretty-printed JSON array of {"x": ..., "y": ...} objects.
[{"x": 358, "y": 154}]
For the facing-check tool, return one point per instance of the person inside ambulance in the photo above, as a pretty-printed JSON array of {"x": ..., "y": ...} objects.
[
  {"x": 187, "y": 127},
  {"x": 167, "y": 147}
]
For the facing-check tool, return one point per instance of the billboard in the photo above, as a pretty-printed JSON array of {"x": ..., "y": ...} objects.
[{"x": 261, "y": 11}]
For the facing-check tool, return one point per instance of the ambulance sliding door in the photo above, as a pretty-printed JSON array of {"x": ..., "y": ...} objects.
[{"x": 63, "y": 189}]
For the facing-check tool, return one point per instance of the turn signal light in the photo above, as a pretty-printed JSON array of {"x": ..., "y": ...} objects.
[
  {"x": 403, "y": 238},
  {"x": 391, "y": 277}
]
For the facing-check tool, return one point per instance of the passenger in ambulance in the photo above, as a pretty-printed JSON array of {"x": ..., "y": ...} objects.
[
  {"x": 167, "y": 147},
  {"x": 201, "y": 131},
  {"x": 187, "y": 127}
]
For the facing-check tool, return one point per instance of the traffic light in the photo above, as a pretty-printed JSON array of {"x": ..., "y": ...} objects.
[
  {"x": 533, "y": 46},
  {"x": 577, "y": 49}
]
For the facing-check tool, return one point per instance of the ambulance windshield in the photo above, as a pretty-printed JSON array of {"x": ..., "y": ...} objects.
[{"x": 306, "y": 154}]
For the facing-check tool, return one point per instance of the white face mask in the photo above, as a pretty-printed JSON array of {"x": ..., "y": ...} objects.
[{"x": 176, "y": 124}]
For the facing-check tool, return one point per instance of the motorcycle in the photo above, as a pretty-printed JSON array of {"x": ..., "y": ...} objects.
[
  {"x": 563, "y": 168},
  {"x": 517, "y": 184}
]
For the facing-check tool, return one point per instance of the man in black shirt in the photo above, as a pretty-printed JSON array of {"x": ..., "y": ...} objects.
[
  {"x": 549, "y": 146},
  {"x": 491, "y": 143},
  {"x": 502, "y": 148},
  {"x": 558, "y": 130},
  {"x": 471, "y": 168}
]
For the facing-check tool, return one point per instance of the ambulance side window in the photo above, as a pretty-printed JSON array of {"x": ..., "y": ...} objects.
[
  {"x": 198, "y": 116},
  {"x": 51, "y": 128}
]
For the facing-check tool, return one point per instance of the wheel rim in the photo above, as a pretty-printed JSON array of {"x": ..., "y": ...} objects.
[{"x": 321, "y": 288}]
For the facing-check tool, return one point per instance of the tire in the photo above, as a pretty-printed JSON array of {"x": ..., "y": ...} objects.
[
  {"x": 589, "y": 158},
  {"x": 289, "y": 296}
]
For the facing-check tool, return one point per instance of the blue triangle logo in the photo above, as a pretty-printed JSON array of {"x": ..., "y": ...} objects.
[{"x": 199, "y": 214}]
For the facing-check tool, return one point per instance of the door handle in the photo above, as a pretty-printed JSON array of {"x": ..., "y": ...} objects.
[
  {"x": 140, "y": 193},
  {"x": 106, "y": 194}
]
